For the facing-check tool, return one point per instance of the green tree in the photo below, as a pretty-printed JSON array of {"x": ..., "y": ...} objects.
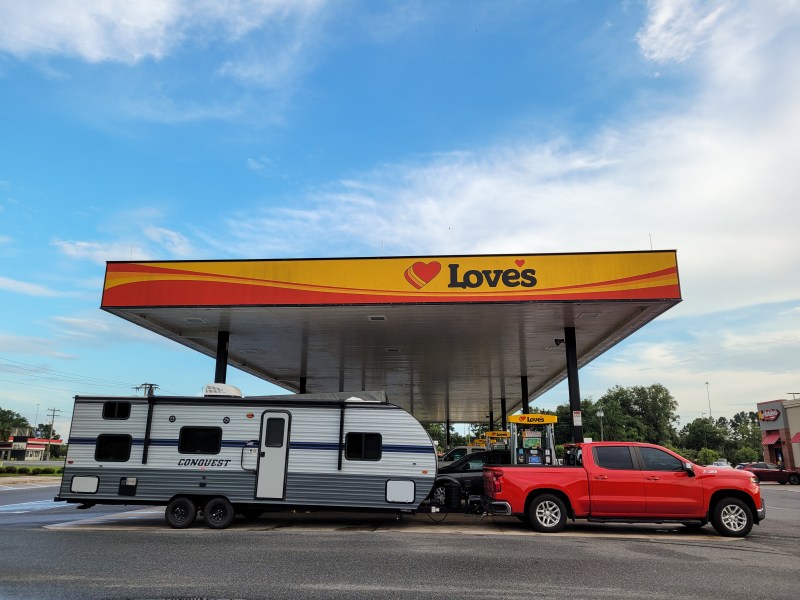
[
  {"x": 638, "y": 413},
  {"x": 703, "y": 433},
  {"x": 706, "y": 456},
  {"x": 45, "y": 430},
  {"x": 10, "y": 420}
]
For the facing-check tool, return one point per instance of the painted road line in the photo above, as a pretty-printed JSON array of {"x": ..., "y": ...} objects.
[
  {"x": 110, "y": 521},
  {"x": 27, "y": 486},
  {"x": 27, "y": 507}
]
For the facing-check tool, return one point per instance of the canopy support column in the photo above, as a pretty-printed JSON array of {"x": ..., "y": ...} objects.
[
  {"x": 221, "y": 371},
  {"x": 573, "y": 383},
  {"x": 526, "y": 405},
  {"x": 503, "y": 423}
]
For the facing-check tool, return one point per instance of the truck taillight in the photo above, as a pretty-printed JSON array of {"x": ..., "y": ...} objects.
[{"x": 496, "y": 485}]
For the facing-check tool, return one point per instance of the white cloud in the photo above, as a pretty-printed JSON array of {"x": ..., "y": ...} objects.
[
  {"x": 27, "y": 289},
  {"x": 176, "y": 244},
  {"x": 714, "y": 179},
  {"x": 26, "y": 345},
  {"x": 99, "y": 252},
  {"x": 675, "y": 28},
  {"x": 94, "y": 30},
  {"x": 128, "y": 32}
]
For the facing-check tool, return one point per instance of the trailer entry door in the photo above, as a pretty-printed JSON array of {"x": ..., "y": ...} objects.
[{"x": 273, "y": 455}]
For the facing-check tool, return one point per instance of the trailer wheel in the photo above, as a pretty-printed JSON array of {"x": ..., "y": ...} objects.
[
  {"x": 181, "y": 513},
  {"x": 732, "y": 518},
  {"x": 219, "y": 513},
  {"x": 547, "y": 513}
]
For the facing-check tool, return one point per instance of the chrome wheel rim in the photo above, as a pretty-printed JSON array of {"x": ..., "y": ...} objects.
[
  {"x": 548, "y": 514},
  {"x": 733, "y": 517}
]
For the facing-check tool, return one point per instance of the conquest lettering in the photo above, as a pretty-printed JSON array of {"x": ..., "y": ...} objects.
[
  {"x": 203, "y": 462},
  {"x": 491, "y": 277}
]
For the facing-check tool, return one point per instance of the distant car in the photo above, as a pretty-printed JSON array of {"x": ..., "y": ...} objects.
[
  {"x": 457, "y": 453},
  {"x": 771, "y": 472},
  {"x": 464, "y": 477},
  {"x": 721, "y": 464}
]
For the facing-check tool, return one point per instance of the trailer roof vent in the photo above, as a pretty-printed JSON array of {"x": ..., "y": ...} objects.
[{"x": 221, "y": 390}]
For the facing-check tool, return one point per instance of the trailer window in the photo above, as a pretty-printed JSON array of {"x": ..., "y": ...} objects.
[
  {"x": 114, "y": 409},
  {"x": 362, "y": 446},
  {"x": 112, "y": 447},
  {"x": 274, "y": 436},
  {"x": 200, "y": 440}
]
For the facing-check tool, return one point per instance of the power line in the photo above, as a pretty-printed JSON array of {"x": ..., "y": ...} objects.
[{"x": 48, "y": 374}]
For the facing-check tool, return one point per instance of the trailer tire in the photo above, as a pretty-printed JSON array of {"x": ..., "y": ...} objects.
[
  {"x": 547, "y": 513},
  {"x": 732, "y": 518},
  {"x": 219, "y": 513},
  {"x": 180, "y": 513}
]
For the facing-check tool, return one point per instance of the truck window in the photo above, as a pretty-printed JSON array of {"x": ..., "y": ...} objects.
[
  {"x": 613, "y": 457},
  {"x": 658, "y": 460}
]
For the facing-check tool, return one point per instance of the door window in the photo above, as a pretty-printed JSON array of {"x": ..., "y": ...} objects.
[
  {"x": 613, "y": 457},
  {"x": 658, "y": 460},
  {"x": 274, "y": 434}
]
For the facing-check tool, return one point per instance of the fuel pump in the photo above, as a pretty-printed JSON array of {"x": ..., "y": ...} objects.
[
  {"x": 531, "y": 438},
  {"x": 497, "y": 440}
]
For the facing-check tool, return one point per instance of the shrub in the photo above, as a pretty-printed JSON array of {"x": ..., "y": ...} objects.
[
  {"x": 59, "y": 470},
  {"x": 23, "y": 470},
  {"x": 36, "y": 470},
  {"x": 9, "y": 469},
  {"x": 47, "y": 470}
]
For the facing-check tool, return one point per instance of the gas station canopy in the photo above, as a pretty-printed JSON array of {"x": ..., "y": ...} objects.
[{"x": 451, "y": 338}]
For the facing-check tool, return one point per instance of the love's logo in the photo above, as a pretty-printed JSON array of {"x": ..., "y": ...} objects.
[{"x": 419, "y": 274}]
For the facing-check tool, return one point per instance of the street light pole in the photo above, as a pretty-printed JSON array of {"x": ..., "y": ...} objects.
[
  {"x": 708, "y": 394},
  {"x": 601, "y": 414}
]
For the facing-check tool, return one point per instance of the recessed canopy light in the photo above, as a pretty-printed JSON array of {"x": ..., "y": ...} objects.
[
  {"x": 393, "y": 349},
  {"x": 377, "y": 317},
  {"x": 194, "y": 320}
]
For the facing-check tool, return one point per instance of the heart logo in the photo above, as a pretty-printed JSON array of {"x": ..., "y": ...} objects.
[
  {"x": 421, "y": 273},
  {"x": 519, "y": 262}
]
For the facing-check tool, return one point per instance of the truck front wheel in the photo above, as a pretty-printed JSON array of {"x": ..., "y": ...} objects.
[
  {"x": 732, "y": 518},
  {"x": 547, "y": 513}
]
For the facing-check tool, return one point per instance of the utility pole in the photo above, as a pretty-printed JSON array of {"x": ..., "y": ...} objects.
[
  {"x": 147, "y": 388},
  {"x": 53, "y": 413},
  {"x": 708, "y": 393}
]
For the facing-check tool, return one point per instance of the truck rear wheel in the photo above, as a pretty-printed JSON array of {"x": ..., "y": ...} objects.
[
  {"x": 219, "y": 513},
  {"x": 181, "y": 513},
  {"x": 732, "y": 518},
  {"x": 547, "y": 513}
]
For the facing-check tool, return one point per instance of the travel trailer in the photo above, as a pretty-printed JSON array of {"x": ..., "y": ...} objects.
[{"x": 223, "y": 454}]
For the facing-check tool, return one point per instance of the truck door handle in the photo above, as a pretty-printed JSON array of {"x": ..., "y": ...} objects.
[
  {"x": 601, "y": 477},
  {"x": 653, "y": 478},
  {"x": 263, "y": 454}
]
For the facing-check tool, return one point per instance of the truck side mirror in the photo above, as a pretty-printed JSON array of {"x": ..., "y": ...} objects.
[{"x": 689, "y": 468}]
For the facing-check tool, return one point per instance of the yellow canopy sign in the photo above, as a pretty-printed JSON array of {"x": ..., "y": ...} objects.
[{"x": 533, "y": 419}]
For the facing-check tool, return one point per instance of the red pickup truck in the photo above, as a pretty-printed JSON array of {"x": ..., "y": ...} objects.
[{"x": 625, "y": 482}]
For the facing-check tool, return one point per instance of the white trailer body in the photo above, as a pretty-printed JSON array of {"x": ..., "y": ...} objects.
[{"x": 331, "y": 451}]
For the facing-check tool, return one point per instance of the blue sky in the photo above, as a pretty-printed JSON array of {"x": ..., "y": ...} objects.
[{"x": 284, "y": 128}]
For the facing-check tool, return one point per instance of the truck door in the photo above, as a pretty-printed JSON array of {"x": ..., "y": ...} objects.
[
  {"x": 669, "y": 489},
  {"x": 273, "y": 455},
  {"x": 616, "y": 485}
]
